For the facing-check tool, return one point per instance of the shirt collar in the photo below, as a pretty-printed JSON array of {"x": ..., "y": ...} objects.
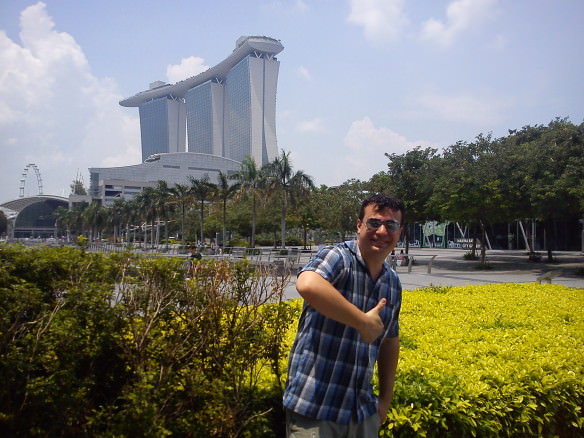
[{"x": 354, "y": 248}]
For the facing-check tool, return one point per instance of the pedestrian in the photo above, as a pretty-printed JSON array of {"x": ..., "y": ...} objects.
[
  {"x": 349, "y": 322},
  {"x": 195, "y": 254}
]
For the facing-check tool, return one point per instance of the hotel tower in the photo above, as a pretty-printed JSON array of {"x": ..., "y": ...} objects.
[
  {"x": 228, "y": 110},
  {"x": 223, "y": 115}
]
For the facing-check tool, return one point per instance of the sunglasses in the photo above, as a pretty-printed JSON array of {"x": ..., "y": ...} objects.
[{"x": 391, "y": 225}]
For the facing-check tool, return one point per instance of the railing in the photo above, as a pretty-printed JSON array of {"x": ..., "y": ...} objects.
[{"x": 409, "y": 260}]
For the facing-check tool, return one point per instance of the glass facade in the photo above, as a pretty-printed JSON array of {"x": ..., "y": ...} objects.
[
  {"x": 154, "y": 127},
  {"x": 162, "y": 126},
  {"x": 37, "y": 219},
  {"x": 200, "y": 118},
  {"x": 238, "y": 112}
]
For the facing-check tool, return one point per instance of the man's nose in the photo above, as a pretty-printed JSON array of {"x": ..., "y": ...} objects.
[{"x": 384, "y": 228}]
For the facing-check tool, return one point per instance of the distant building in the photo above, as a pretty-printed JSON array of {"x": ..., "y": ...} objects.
[
  {"x": 33, "y": 216},
  {"x": 228, "y": 110},
  {"x": 224, "y": 114},
  {"x": 162, "y": 126},
  {"x": 111, "y": 183}
]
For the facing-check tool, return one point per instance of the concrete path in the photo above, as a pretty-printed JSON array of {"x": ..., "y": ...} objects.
[{"x": 506, "y": 266}]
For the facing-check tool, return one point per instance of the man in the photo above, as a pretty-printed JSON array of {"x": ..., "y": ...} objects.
[
  {"x": 348, "y": 323},
  {"x": 195, "y": 254}
]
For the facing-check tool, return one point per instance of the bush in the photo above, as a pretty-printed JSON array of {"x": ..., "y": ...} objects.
[
  {"x": 490, "y": 361},
  {"x": 122, "y": 345}
]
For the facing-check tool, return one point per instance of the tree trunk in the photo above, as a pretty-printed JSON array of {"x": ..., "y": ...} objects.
[
  {"x": 283, "y": 220},
  {"x": 224, "y": 219},
  {"x": 202, "y": 228},
  {"x": 253, "y": 221},
  {"x": 483, "y": 244}
]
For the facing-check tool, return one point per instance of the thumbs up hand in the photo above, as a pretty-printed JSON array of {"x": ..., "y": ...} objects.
[{"x": 372, "y": 325}]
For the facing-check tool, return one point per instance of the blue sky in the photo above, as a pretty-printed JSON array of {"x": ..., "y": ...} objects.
[{"x": 358, "y": 78}]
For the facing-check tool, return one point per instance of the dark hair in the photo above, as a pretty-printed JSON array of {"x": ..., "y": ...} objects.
[{"x": 383, "y": 201}]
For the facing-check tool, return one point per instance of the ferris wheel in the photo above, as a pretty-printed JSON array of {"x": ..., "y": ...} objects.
[{"x": 23, "y": 179}]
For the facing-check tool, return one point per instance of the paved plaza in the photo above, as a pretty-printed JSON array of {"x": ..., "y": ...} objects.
[{"x": 505, "y": 266}]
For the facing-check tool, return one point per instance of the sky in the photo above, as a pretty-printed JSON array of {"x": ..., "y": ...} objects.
[{"x": 358, "y": 78}]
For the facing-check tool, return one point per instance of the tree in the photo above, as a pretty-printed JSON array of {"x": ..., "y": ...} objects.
[
  {"x": 94, "y": 218},
  {"x": 471, "y": 187},
  {"x": 146, "y": 211},
  {"x": 412, "y": 177},
  {"x": 77, "y": 187},
  {"x": 549, "y": 162},
  {"x": 289, "y": 185},
  {"x": 224, "y": 192},
  {"x": 202, "y": 190},
  {"x": 115, "y": 216},
  {"x": 338, "y": 207},
  {"x": 162, "y": 196},
  {"x": 251, "y": 181},
  {"x": 180, "y": 195}
]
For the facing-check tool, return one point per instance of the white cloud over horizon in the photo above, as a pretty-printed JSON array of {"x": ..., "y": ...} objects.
[
  {"x": 462, "y": 108},
  {"x": 367, "y": 144},
  {"x": 51, "y": 106},
  {"x": 187, "y": 68},
  {"x": 382, "y": 20},
  {"x": 461, "y": 16},
  {"x": 314, "y": 125}
]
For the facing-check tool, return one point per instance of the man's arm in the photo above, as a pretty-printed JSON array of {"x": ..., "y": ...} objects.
[
  {"x": 386, "y": 369},
  {"x": 325, "y": 298}
]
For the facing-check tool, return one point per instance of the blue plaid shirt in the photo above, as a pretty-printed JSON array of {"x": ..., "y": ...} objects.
[{"x": 331, "y": 367}]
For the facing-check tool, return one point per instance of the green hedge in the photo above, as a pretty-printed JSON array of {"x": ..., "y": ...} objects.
[
  {"x": 121, "y": 346},
  {"x": 490, "y": 361}
]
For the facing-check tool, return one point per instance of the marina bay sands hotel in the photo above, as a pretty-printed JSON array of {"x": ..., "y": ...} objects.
[{"x": 202, "y": 125}]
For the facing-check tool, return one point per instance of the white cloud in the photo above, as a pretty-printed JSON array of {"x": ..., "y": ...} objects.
[
  {"x": 304, "y": 73},
  {"x": 382, "y": 20},
  {"x": 367, "y": 145},
  {"x": 54, "y": 112},
  {"x": 462, "y": 108},
  {"x": 187, "y": 68},
  {"x": 461, "y": 16},
  {"x": 498, "y": 43},
  {"x": 314, "y": 125},
  {"x": 301, "y": 5}
]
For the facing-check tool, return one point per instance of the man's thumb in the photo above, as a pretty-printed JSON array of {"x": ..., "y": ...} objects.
[{"x": 380, "y": 305}]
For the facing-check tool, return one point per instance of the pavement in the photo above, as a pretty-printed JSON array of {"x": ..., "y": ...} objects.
[{"x": 504, "y": 266}]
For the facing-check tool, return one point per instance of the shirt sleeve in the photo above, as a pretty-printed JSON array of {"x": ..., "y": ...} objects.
[{"x": 328, "y": 263}]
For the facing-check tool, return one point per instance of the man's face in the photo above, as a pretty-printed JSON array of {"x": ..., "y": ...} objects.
[{"x": 381, "y": 241}]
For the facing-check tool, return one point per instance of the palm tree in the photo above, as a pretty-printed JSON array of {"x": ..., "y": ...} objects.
[
  {"x": 202, "y": 190},
  {"x": 145, "y": 202},
  {"x": 289, "y": 184},
  {"x": 181, "y": 196},
  {"x": 63, "y": 218},
  {"x": 93, "y": 218},
  {"x": 129, "y": 215},
  {"x": 162, "y": 195},
  {"x": 115, "y": 216},
  {"x": 224, "y": 192},
  {"x": 251, "y": 182}
]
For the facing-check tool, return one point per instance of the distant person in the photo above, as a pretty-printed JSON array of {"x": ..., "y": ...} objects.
[
  {"x": 349, "y": 322},
  {"x": 195, "y": 254}
]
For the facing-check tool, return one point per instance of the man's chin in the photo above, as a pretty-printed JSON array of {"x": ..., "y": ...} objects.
[{"x": 382, "y": 246}]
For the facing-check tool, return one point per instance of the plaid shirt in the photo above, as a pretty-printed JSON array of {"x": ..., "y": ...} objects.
[{"x": 330, "y": 367}]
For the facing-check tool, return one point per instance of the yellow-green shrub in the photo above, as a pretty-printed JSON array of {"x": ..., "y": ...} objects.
[{"x": 496, "y": 360}]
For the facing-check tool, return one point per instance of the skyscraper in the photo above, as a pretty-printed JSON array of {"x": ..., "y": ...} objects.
[
  {"x": 162, "y": 126},
  {"x": 228, "y": 110}
]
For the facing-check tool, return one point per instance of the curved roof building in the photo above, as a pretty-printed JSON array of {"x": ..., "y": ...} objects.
[
  {"x": 32, "y": 216},
  {"x": 228, "y": 110},
  {"x": 245, "y": 46}
]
